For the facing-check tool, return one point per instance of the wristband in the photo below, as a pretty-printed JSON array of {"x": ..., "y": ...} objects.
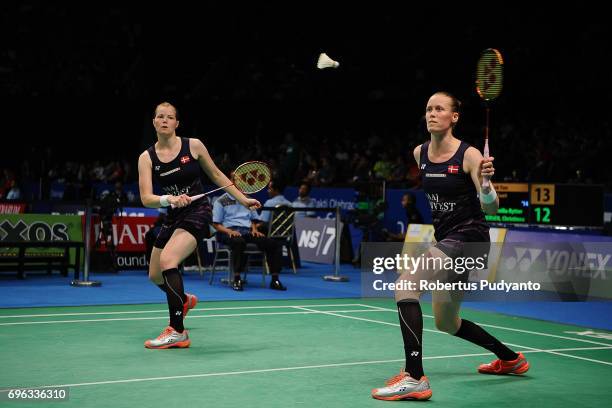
[
  {"x": 163, "y": 201},
  {"x": 488, "y": 198}
]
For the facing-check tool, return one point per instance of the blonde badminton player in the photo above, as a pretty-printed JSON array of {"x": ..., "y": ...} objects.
[
  {"x": 175, "y": 164},
  {"x": 452, "y": 173}
]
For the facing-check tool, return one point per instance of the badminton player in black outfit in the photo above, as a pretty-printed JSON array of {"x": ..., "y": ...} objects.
[
  {"x": 175, "y": 164},
  {"x": 452, "y": 173}
]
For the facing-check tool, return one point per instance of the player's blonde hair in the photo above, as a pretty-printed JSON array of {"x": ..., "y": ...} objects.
[{"x": 167, "y": 105}]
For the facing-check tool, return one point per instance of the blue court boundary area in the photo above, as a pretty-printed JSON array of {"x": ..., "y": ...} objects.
[{"x": 133, "y": 287}]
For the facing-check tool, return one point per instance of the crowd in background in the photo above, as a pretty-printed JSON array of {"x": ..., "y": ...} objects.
[
  {"x": 77, "y": 96},
  {"x": 329, "y": 162}
]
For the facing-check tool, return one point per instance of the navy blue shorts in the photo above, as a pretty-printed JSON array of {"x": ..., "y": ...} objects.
[
  {"x": 195, "y": 220},
  {"x": 469, "y": 241}
]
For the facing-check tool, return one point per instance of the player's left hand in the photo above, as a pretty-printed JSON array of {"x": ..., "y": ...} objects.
[
  {"x": 486, "y": 168},
  {"x": 251, "y": 204}
]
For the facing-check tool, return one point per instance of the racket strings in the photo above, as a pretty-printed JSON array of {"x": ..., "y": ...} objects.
[
  {"x": 252, "y": 177},
  {"x": 489, "y": 76}
]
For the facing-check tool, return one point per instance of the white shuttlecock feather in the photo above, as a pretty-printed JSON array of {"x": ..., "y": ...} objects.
[{"x": 326, "y": 62}]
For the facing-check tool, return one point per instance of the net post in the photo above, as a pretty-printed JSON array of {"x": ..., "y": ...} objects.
[
  {"x": 86, "y": 281},
  {"x": 336, "y": 277}
]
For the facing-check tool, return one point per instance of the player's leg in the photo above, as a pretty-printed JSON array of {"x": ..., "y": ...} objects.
[
  {"x": 180, "y": 245},
  {"x": 155, "y": 276},
  {"x": 155, "y": 273},
  {"x": 446, "y": 305},
  {"x": 411, "y": 383},
  {"x": 446, "y": 312}
]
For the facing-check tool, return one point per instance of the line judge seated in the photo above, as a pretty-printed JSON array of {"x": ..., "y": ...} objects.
[{"x": 235, "y": 228}]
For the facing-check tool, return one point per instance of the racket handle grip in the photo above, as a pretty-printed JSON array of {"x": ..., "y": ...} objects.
[
  {"x": 485, "y": 151},
  {"x": 198, "y": 196},
  {"x": 485, "y": 182},
  {"x": 193, "y": 198}
]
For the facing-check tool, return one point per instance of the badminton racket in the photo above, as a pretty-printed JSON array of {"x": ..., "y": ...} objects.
[
  {"x": 489, "y": 84},
  {"x": 249, "y": 178}
]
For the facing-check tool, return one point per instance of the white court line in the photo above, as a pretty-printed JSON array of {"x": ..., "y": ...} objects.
[
  {"x": 506, "y": 328},
  {"x": 563, "y": 354},
  {"x": 121, "y": 319},
  {"x": 255, "y": 314},
  {"x": 201, "y": 309},
  {"x": 331, "y": 313},
  {"x": 269, "y": 370}
]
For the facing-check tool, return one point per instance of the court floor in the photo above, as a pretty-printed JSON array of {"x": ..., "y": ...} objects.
[{"x": 306, "y": 353}]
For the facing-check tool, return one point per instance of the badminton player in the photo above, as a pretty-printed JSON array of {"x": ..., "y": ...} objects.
[
  {"x": 175, "y": 165},
  {"x": 451, "y": 172}
]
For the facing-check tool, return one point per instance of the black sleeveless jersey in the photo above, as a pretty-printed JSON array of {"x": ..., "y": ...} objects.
[
  {"x": 451, "y": 193},
  {"x": 181, "y": 175}
]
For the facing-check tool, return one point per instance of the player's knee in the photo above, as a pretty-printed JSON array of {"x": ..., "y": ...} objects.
[
  {"x": 446, "y": 325},
  {"x": 406, "y": 295},
  {"x": 156, "y": 278},
  {"x": 405, "y": 289},
  {"x": 167, "y": 261},
  {"x": 155, "y": 273}
]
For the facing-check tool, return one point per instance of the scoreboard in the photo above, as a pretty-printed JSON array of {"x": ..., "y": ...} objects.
[{"x": 578, "y": 205}]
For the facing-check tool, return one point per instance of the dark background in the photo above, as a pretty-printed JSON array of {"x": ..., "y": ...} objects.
[{"x": 79, "y": 81}]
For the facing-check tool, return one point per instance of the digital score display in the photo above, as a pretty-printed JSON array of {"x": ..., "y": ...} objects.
[
  {"x": 579, "y": 205},
  {"x": 513, "y": 203}
]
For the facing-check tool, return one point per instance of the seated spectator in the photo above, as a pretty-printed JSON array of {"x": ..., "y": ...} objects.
[
  {"x": 235, "y": 227},
  {"x": 304, "y": 201},
  {"x": 14, "y": 193}
]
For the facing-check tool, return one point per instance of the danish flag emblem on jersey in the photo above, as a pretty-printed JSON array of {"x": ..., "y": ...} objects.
[
  {"x": 453, "y": 169},
  {"x": 185, "y": 159}
]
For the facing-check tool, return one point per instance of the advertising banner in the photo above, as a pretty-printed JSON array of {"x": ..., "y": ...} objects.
[
  {"x": 316, "y": 239},
  {"x": 12, "y": 208},
  {"x": 40, "y": 227},
  {"x": 128, "y": 234},
  {"x": 570, "y": 267},
  {"x": 327, "y": 197}
]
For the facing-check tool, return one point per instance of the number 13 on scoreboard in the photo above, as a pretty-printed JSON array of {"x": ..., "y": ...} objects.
[{"x": 542, "y": 194}]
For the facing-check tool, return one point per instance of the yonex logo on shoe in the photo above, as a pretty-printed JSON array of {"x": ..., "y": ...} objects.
[
  {"x": 414, "y": 353},
  {"x": 178, "y": 313}
]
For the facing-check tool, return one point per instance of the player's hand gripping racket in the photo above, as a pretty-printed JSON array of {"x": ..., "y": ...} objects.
[
  {"x": 489, "y": 83},
  {"x": 249, "y": 177}
]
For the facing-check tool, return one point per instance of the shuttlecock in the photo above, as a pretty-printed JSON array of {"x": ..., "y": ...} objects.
[{"x": 326, "y": 62}]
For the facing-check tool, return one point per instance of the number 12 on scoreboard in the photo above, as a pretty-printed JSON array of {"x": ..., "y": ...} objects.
[{"x": 542, "y": 214}]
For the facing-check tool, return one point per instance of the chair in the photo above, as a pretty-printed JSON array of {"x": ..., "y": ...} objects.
[
  {"x": 282, "y": 228},
  {"x": 223, "y": 254}
]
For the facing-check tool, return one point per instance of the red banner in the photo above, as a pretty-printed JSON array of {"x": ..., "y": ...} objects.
[
  {"x": 128, "y": 233},
  {"x": 12, "y": 208}
]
